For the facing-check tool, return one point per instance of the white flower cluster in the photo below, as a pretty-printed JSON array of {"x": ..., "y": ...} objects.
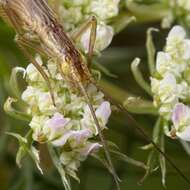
[
  {"x": 171, "y": 84},
  {"x": 178, "y": 9},
  {"x": 68, "y": 126},
  {"x": 75, "y": 13},
  {"x": 184, "y": 4}
]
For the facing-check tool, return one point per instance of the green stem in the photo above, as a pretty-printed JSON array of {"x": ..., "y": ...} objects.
[
  {"x": 13, "y": 112},
  {"x": 147, "y": 13},
  {"x": 128, "y": 100},
  {"x": 122, "y": 21},
  {"x": 138, "y": 76}
]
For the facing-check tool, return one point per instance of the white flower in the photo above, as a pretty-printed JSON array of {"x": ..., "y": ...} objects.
[
  {"x": 103, "y": 113},
  {"x": 32, "y": 73},
  {"x": 104, "y": 35},
  {"x": 165, "y": 89},
  {"x": 38, "y": 100},
  {"x": 71, "y": 159},
  {"x": 183, "y": 90},
  {"x": 177, "y": 46},
  {"x": 181, "y": 121},
  {"x": 56, "y": 126},
  {"x": 37, "y": 124},
  {"x": 45, "y": 104},
  {"x": 176, "y": 35},
  {"x": 71, "y": 16},
  {"x": 104, "y": 9},
  {"x": 76, "y": 138},
  {"x": 89, "y": 149},
  {"x": 165, "y": 64},
  {"x": 29, "y": 95},
  {"x": 69, "y": 126},
  {"x": 165, "y": 94}
]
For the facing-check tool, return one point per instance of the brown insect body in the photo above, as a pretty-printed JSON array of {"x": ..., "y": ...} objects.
[{"x": 36, "y": 18}]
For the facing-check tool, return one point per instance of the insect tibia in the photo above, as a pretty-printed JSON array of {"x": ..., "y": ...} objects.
[{"x": 104, "y": 143}]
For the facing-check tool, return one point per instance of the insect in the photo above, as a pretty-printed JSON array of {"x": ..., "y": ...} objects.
[{"x": 33, "y": 19}]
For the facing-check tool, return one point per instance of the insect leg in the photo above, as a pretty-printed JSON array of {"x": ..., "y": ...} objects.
[
  {"x": 23, "y": 44},
  {"x": 104, "y": 143},
  {"x": 92, "y": 23},
  {"x": 142, "y": 132}
]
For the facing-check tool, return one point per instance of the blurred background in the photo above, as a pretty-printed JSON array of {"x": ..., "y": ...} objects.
[{"x": 129, "y": 44}]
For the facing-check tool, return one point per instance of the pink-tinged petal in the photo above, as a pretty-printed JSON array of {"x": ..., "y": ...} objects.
[
  {"x": 76, "y": 136},
  {"x": 57, "y": 122},
  {"x": 104, "y": 111},
  {"x": 62, "y": 140},
  {"x": 81, "y": 136},
  {"x": 185, "y": 135},
  {"x": 180, "y": 113},
  {"x": 90, "y": 148},
  {"x": 177, "y": 113}
]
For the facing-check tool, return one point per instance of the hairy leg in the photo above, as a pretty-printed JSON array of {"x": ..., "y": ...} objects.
[
  {"x": 23, "y": 44},
  {"x": 92, "y": 24}
]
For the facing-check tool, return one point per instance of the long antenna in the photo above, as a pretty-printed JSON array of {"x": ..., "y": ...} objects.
[{"x": 139, "y": 128}]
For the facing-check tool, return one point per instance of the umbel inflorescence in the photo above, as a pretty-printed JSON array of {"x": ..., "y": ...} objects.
[
  {"x": 170, "y": 84},
  {"x": 69, "y": 125},
  {"x": 75, "y": 13}
]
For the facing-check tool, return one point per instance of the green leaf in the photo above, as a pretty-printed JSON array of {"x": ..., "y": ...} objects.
[
  {"x": 145, "y": 13},
  {"x": 104, "y": 70},
  {"x": 10, "y": 110},
  {"x": 129, "y": 160},
  {"x": 151, "y": 50},
  {"x": 22, "y": 140},
  {"x": 34, "y": 153},
  {"x": 138, "y": 76},
  {"x": 14, "y": 84},
  {"x": 22, "y": 151},
  {"x": 73, "y": 174},
  {"x": 122, "y": 21},
  {"x": 162, "y": 161},
  {"x": 144, "y": 106},
  {"x": 59, "y": 167}
]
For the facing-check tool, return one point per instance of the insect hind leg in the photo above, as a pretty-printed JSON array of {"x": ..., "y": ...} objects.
[
  {"x": 92, "y": 24},
  {"x": 22, "y": 43}
]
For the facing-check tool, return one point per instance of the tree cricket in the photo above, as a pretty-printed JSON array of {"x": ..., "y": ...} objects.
[{"x": 34, "y": 21}]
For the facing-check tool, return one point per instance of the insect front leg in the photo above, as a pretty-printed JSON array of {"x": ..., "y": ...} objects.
[
  {"x": 92, "y": 23},
  {"x": 23, "y": 44}
]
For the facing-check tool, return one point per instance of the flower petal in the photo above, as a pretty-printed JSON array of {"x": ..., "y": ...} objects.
[
  {"x": 104, "y": 112},
  {"x": 57, "y": 122},
  {"x": 185, "y": 135},
  {"x": 180, "y": 113},
  {"x": 77, "y": 137}
]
